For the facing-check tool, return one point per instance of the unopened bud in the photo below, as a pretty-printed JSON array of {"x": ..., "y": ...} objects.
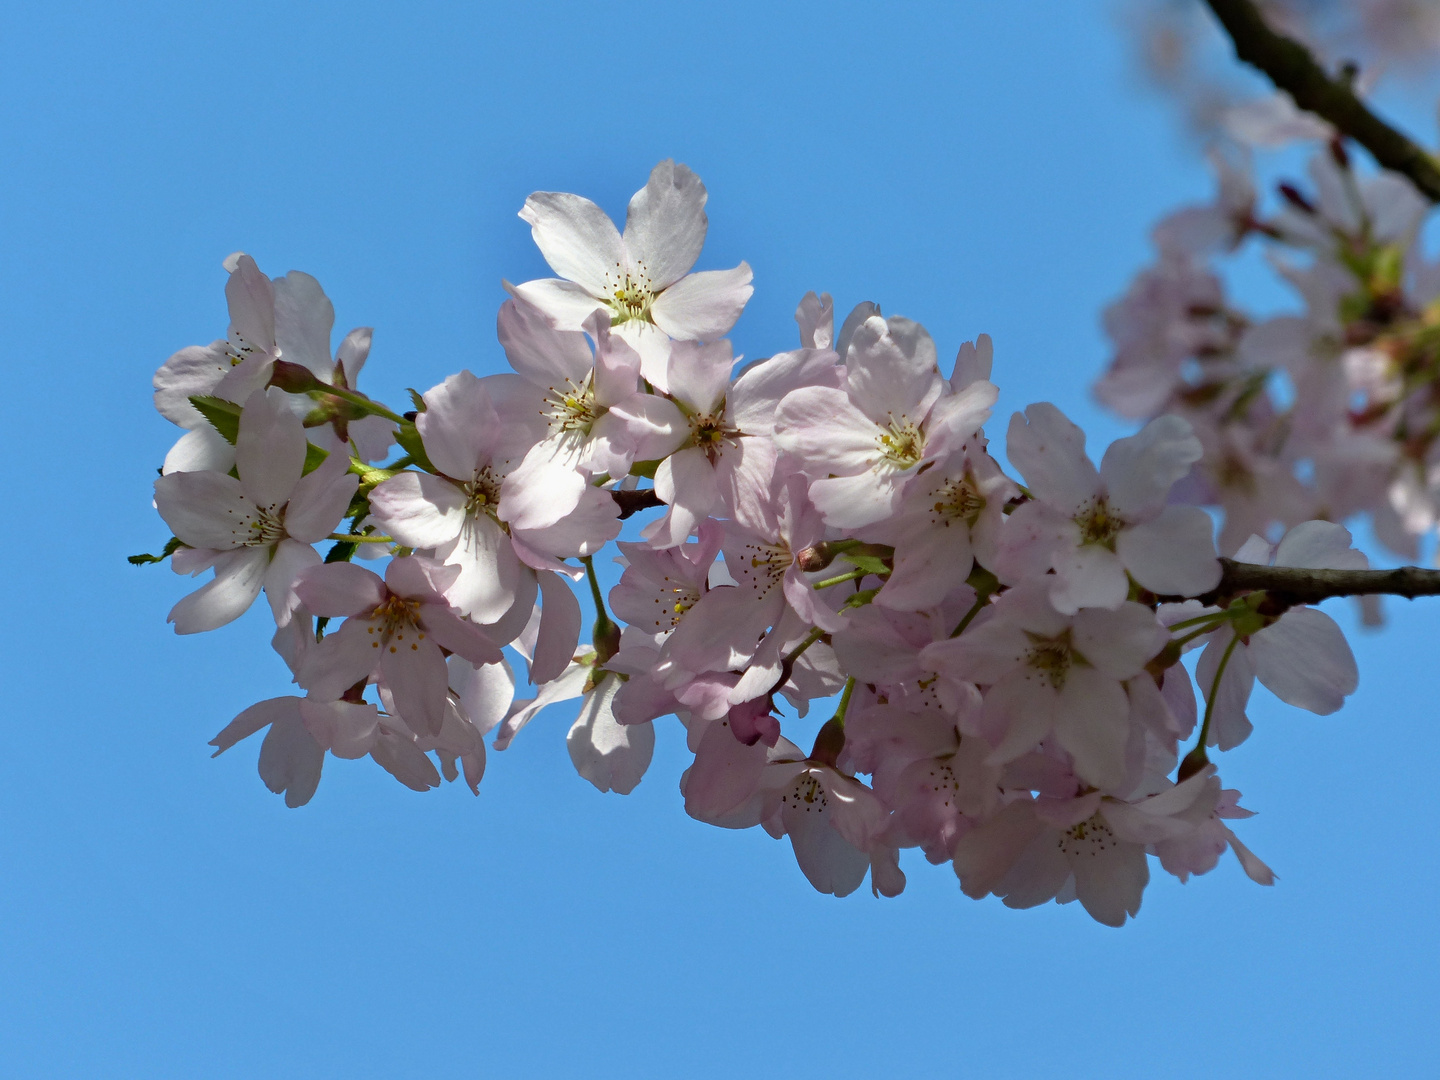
[
  {"x": 606, "y": 636},
  {"x": 1192, "y": 763},
  {"x": 815, "y": 557},
  {"x": 294, "y": 378}
]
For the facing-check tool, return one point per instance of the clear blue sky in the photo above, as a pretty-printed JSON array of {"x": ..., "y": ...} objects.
[{"x": 983, "y": 166}]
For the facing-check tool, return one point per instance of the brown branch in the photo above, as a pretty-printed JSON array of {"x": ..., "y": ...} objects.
[
  {"x": 1289, "y": 65},
  {"x": 1291, "y": 585},
  {"x": 635, "y": 500}
]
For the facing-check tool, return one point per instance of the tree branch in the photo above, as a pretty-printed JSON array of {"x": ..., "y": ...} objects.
[
  {"x": 1291, "y": 585},
  {"x": 637, "y": 499},
  {"x": 1289, "y": 65}
]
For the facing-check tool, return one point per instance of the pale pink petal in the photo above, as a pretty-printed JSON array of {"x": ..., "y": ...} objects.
[
  {"x": 459, "y": 425},
  {"x": 929, "y": 566},
  {"x": 1120, "y": 642},
  {"x": 464, "y": 639},
  {"x": 289, "y": 560},
  {"x": 985, "y": 854},
  {"x": 415, "y": 673},
  {"x": 1319, "y": 545},
  {"x": 251, "y": 297},
  {"x": 1172, "y": 554},
  {"x": 554, "y": 359},
  {"x": 576, "y": 237},
  {"x": 891, "y": 371},
  {"x": 758, "y": 391},
  {"x": 320, "y": 499},
  {"x": 489, "y": 570},
  {"x": 291, "y": 760},
  {"x": 353, "y": 352},
  {"x": 485, "y": 690},
  {"x": 850, "y": 502},
  {"x": 1255, "y": 870},
  {"x": 541, "y": 490},
  {"x": 1229, "y": 726},
  {"x": 1049, "y": 451},
  {"x": 829, "y": 862},
  {"x": 654, "y": 425},
  {"x": 206, "y": 509},
  {"x": 238, "y": 577},
  {"x": 822, "y": 427},
  {"x": 973, "y": 362},
  {"x": 698, "y": 374},
  {"x": 725, "y": 774},
  {"x": 257, "y": 716},
  {"x": 568, "y": 304},
  {"x": 1305, "y": 661},
  {"x": 341, "y": 659},
  {"x": 816, "y": 316},
  {"x": 611, "y": 755},
  {"x": 270, "y": 451},
  {"x": 1024, "y": 709},
  {"x": 560, "y": 623},
  {"x": 665, "y": 224},
  {"x": 193, "y": 371},
  {"x": 686, "y": 482},
  {"x": 1110, "y": 879},
  {"x": 419, "y": 510},
  {"x": 1138, "y": 471},
  {"x": 200, "y": 449},
  {"x": 1092, "y": 724},
  {"x": 304, "y": 321},
  {"x": 1088, "y": 576},
  {"x": 340, "y": 589},
  {"x": 703, "y": 306}
]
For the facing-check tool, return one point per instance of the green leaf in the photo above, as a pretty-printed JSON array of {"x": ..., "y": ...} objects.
[
  {"x": 416, "y": 399},
  {"x": 341, "y": 551},
  {"x": 860, "y": 599},
  {"x": 645, "y": 468},
  {"x": 314, "y": 457},
  {"x": 408, "y": 436},
  {"x": 871, "y": 564},
  {"x": 224, "y": 416},
  {"x": 171, "y": 546}
]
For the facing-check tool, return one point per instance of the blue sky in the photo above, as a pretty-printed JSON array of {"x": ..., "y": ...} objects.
[{"x": 980, "y": 167}]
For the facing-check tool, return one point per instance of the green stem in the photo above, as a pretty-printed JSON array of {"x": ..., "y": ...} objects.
[
  {"x": 853, "y": 575},
  {"x": 355, "y": 538},
  {"x": 794, "y": 654},
  {"x": 363, "y": 402},
  {"x": 839, "y": 718},
  {"x": 1197, "y": 759}
]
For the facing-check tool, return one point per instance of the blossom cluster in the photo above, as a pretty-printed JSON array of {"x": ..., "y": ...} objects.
[
  {"x": 1327, "y": 412},
  {"x": 1007, "y": 651}
]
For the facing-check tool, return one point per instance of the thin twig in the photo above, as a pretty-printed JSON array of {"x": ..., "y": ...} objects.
[
  {"x": 1291, "y": 585},
  {"x": 1289, "y": 65}
]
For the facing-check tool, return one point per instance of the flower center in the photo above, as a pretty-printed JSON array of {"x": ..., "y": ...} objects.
[
  {"x": 902, "y": 444},
  {"x": 631, "y": 294},
  {"x": 959, "y": 501},
  {"x": 674, "y": 600},
  {"x": 571, "y": 407},
  {"x": 806, "y": 794},
  {"x": 1052, "y": 657},
  {"x": 1099, "y": 524},
  {"x": 391, "y": 620},
  {"x": 482, "y": 495},
  {"x": 1089, "y": 837},
  {"x": 266, "y": 528},
  {"x": 767, "y": 564},
  {"x": 710, "y": 433}
]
